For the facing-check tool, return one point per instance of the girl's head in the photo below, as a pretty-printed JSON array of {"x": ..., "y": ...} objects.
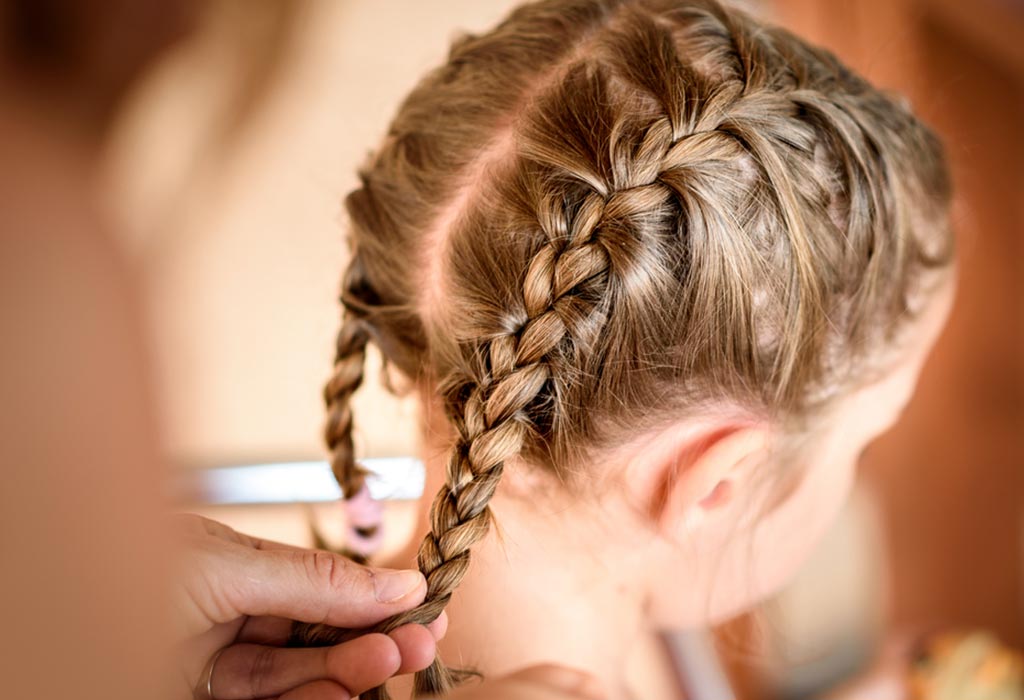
[{"x": 657, "y": 256}]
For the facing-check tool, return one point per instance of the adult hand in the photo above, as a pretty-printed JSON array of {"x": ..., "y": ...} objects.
[
  {"x": 239, "y": 595},
  {"x": 545, "y": 682}
]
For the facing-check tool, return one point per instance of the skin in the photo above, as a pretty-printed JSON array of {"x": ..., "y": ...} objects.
[
  {"x": 541, "y": 682},
  {"x": 77, "y": 420},
  {"x": 679, "y": 528}
]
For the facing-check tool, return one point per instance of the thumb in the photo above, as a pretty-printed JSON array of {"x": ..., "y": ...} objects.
[{"x": 312, "y": 586}]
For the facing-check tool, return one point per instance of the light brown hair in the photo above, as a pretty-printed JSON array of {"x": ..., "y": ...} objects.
[{"x": 605, "y": 214}]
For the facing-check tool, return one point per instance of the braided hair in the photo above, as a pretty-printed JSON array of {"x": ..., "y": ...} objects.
[{"x": 605, "y": 213}]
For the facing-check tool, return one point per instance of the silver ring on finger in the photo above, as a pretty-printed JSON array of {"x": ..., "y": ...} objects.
[{"x": 204, "y": 686}]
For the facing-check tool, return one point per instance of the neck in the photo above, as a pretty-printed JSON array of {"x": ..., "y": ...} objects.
[{"x": 538, "y": 591}]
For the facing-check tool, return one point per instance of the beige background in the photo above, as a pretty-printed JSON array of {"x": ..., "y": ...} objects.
[{"x": 241, "y": 263}]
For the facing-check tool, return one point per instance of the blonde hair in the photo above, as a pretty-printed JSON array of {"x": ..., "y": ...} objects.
[{"x": 604, "y": 214}]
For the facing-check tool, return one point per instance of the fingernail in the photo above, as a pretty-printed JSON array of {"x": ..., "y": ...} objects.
[{"x": 391, "y": 586}]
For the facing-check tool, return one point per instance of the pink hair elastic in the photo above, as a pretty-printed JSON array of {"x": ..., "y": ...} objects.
[{"x": 364, "y": 519}]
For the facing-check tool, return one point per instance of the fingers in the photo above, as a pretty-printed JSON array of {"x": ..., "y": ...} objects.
[
  {"x": 231, "y": 574},
  {"x": 439, "y": 627},
  {"x": 417, "y": 646},
  {"x": 276, "y": 630},
  {"x": 317, "y": 690},
  {"x": 247, "y": 671},
  {"x": 308, "y": 585}
]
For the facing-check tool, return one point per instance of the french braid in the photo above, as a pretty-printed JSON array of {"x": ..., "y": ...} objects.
[{"x": 694, "y": 206}]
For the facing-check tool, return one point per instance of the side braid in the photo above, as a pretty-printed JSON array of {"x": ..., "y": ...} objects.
[{"x": 350, "y": 356}]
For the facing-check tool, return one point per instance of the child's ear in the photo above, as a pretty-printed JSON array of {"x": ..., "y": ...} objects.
[{"x": 690, "y": 477}]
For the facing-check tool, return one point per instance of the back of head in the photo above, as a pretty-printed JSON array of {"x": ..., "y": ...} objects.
[{"x": 606, "y": 214}]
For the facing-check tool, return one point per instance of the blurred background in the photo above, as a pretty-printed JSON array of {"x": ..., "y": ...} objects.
[{"x": 222, "y": 166}]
